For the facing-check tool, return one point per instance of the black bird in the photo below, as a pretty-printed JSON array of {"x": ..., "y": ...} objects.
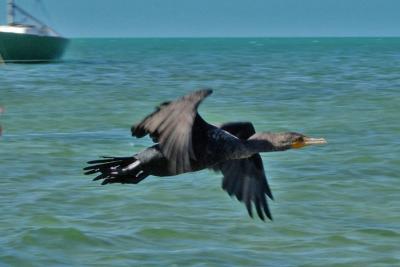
[{"x": 184, "y": 142}]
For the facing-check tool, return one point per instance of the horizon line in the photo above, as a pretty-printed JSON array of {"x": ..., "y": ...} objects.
[{"x": 227, "y": 37}]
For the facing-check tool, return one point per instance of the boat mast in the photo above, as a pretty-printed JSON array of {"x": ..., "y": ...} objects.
[{"x": 10, "y": 12}]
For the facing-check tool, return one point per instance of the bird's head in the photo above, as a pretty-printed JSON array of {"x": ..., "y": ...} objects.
[
  {"x": 284, "y": 141},
  {"x": 296, "y": 140}
]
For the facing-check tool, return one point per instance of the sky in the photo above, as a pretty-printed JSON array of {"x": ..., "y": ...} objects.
[{"x": 217, "y": 18}]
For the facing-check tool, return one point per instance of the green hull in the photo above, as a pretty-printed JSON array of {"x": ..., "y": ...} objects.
[{"x": 16, "y": 47}]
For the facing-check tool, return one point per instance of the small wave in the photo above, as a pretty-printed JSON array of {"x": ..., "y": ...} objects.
[
  {"x": 54, "y": 235},
  {"x": 380, "y": 232}
]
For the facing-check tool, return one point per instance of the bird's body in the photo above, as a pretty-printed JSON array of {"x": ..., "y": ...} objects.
[{"x": 187, "y": 143}]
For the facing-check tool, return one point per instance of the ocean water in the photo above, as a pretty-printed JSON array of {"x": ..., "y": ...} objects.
[{"x": 335, "y": 205}]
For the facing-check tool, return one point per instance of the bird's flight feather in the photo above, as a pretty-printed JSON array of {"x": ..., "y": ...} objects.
[
  {"x": 171, "y": 126},
  {"x": 245, "y": 178}
]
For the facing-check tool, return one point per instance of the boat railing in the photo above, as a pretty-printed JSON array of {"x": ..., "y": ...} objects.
[{"x": 39, "y": 25}]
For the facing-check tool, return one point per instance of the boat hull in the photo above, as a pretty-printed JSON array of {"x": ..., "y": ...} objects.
[{"x": 25, "y": 48}]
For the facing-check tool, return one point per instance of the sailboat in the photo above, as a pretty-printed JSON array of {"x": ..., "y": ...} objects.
[{"x": 33, "y": 42}]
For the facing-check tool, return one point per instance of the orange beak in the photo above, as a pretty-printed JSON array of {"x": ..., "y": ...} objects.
[{"x": 307, "y": 141}]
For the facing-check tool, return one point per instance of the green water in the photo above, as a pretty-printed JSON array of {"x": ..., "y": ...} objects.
[{"x": 335, "y": 205}]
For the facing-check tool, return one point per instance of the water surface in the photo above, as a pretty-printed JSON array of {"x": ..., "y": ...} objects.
[{"x": 336, "y": 205}]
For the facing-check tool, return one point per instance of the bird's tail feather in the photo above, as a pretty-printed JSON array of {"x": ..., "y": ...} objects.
[{"x": 125, "y": 170}]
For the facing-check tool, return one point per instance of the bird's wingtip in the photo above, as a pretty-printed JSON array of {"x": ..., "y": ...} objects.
[
  {"x": 205, "y": 91},
  {"x": 209, "y": 91}
]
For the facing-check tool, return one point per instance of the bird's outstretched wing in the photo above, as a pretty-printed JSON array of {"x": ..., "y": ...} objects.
[
  {"x": 245, "y": 178},
  {"x": 171, "y": 126}
]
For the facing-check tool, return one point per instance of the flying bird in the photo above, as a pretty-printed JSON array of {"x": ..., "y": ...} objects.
[{"x": 185, "y": 142}]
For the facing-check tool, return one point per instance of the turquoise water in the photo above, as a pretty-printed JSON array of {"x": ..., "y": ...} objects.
[{"x": 335, "y": 205}]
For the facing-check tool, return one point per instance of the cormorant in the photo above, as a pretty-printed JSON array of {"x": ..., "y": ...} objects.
[{"x": 184, "y": 142}]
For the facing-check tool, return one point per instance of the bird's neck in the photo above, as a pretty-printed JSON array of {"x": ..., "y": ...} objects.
[{"x": 266, "y": 142}]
